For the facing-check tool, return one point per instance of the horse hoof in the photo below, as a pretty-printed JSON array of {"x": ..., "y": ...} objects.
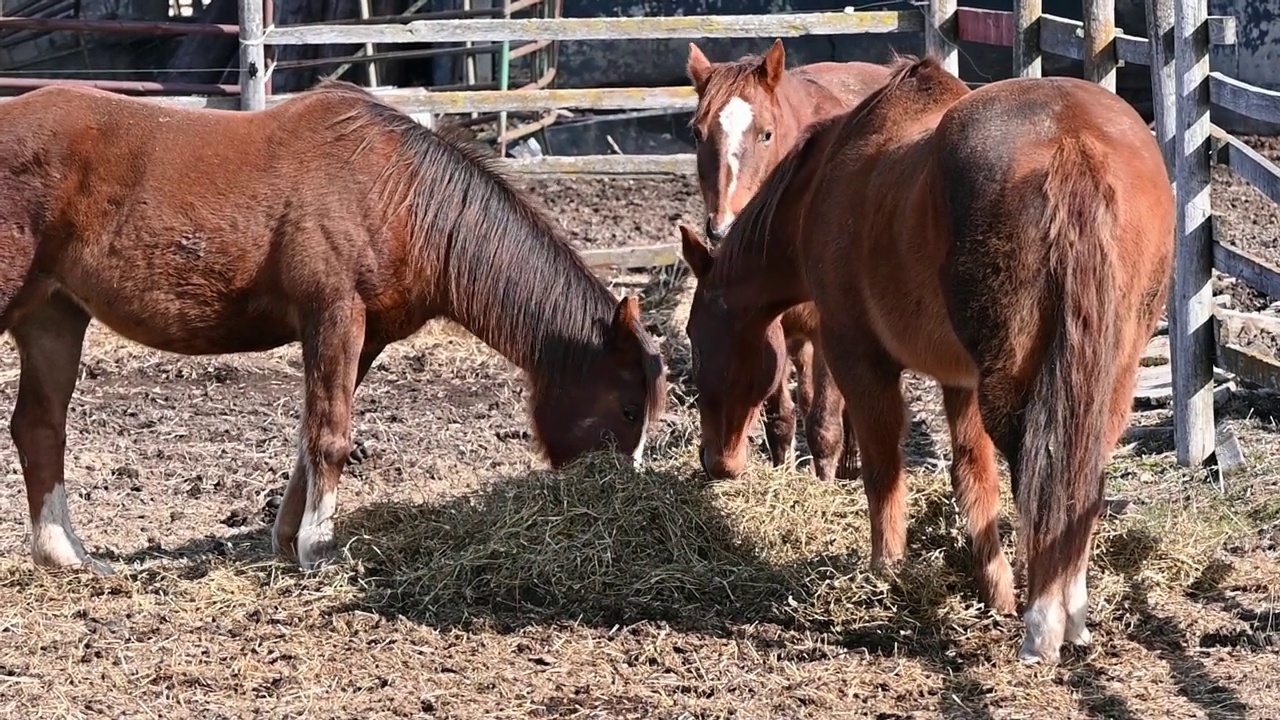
[
  {"x": 1032, "y": 654},
  {"x": 317, "y": 555},
  {"x": 360, "y": 452},
  {"x": 1080, "y": 638}
]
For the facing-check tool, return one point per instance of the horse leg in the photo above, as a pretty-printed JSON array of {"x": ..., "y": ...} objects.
[
  {"x": 848, "y": 467},
  {"x": 359, "y": 450},
  {"x": 49, "y": 338},
  {"x": 824, "y": 422},
  {"x": 332, "y": 353},
  {"x": 975, "y": 480},
  {"x": 780, "y": 425},
  {"x": 873, "y": 394}
]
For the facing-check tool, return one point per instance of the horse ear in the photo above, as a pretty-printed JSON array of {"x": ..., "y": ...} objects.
[
  {"x": 626, "y": 318},
  {"x": 775, "y": 63},
  {"x": 698, "y": 67},
  {"x": 696, "y": 253}
]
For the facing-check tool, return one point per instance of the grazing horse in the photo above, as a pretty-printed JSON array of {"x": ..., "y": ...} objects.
[
  {"x": 333, "y": 220},
  {"x": 750, "y": 114},
  {"x": 979, "y": 237}
]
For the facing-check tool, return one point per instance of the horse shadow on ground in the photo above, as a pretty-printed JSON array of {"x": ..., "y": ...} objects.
[
  {"x": 610, "y": 549},
  {"x": 1157, "y": 632}
]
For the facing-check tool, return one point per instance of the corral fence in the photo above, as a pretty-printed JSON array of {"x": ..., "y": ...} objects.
[{"x": 1176, "y": 49}]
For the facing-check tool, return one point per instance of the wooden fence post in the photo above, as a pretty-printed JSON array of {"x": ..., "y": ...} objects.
[
  {"x": 1026, "y": 38},
  {"x": 1191, "y": 300},
  {"x": 1164, "y": 78},
  {"x": 253, "y": 70},
  {"x": 1100, "y": 43},
  {"x": 940, "y": 34}
]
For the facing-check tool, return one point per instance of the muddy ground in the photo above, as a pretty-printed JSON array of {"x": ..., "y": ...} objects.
[{"x": 647, "y": 596}]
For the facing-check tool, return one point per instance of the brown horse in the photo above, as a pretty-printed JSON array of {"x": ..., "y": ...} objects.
[
  {"x": 750, "y": 114},
  {"x": 977, "y": 236},
  {"x": 332, "y": 220}
]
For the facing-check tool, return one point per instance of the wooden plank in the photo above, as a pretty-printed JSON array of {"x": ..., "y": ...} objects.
[
  {"x": 606, "y": 28},
  {"x": 253, "y": 62},
  {"x": 1164, "y": 78},
  {"x": 1245, "y": 99},
  {"x": 1250, "y": 366},
  {"x": 1249, "y": 164},
  {"x": 1254, "y": 271},
  {"x": 1026, "y": 40},
  {"x": 1191, "y": 299},
  {"x": 1099, "y": 42},
  {"x": 678, "y": 164},
  {"x": 989, "y": 27},
  {"x": 633, "y": 257},
  {"x": 940, "y": 34},
  {"x": 413, "y": 100},
  {"x": 1065, "y": 37}
]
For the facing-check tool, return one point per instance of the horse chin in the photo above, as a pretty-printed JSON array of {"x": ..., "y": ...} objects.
[{"x": 721, "y": 465}]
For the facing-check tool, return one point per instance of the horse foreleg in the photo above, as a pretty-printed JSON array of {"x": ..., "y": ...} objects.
[
  {"x": 331, "y": 358},
  {"x": 824, "y": 422},
  {"x": 359, "y": 450},
  {"x": 780, "y": 425},
  {"x": 49, "y": 338},
  {"x": 975, "y": 480},
  {"x": 875, "y": 404}
]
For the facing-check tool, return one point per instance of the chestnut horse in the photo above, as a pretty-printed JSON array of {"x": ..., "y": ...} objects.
[
  {"x": 332, "y": 220},
  {"x": 979, "y": 237},
  {"x": 750, "y": 114}
]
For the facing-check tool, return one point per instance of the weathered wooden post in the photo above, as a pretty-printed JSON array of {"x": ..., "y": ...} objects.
[
  {"x": 1026, "y": 38},
  {"x": 1100, "y": 43},
  {"x": 253, "y": 70},
  {"x": 1179, "y": 42},
  {"x": 940, "y": 34}
]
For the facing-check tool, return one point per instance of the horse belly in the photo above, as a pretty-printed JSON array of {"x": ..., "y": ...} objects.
[{"x": 919, "y": 335}]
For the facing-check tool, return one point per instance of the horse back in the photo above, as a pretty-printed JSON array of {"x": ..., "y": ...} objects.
[{"x": 847, "y": 82}]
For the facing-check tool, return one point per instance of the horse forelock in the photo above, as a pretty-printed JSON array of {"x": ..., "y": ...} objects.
[
  {"x": 728, "y": 80},
  {"x": 508, "y": 272}
]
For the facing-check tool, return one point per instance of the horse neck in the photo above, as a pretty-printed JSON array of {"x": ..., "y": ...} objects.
[
  {"x": 521, "y": 289},
  {"x": 804, "y": 99},
  {"x": 758, "y": 266}
]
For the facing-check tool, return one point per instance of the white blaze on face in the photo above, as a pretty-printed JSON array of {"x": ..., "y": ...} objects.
[{"x": 735, "y": 120}]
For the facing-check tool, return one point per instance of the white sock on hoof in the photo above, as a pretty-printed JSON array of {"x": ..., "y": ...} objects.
[
  {"x": 1077, "y": 607},
  {"x": 53, "y": 541},
  {"x": 1044, "y": 628},
  {"x": 315, "y": 535}
]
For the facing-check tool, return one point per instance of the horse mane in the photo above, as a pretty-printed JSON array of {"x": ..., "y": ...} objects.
[
  {"x": 749, "y": 235},
  {"x": 462, "y": 212}
]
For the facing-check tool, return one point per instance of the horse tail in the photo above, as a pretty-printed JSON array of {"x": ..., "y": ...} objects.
[{"x": 1061, "y": 459}]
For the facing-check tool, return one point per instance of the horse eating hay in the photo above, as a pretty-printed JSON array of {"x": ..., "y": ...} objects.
[
  {"x": 980, "y": 237},
  {"x": 331, "y": 219},
  {"x": 750, "y": 113}
]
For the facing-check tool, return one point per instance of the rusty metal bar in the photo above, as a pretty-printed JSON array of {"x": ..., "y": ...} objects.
[
  {"x": 128, "y": 27},
  {"x": 123, "y": 86}
]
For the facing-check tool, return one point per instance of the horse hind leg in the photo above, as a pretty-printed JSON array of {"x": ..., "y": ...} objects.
[
  {"x": 825, "y": 426},
  {"x": 49, "y": 338},
  {"x": 975, "y": 480}
]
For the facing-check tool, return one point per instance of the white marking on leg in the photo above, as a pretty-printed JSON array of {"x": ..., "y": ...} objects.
[
  {"x": 637, "y": 456},
  {"x": 791, "y": 451},
  {"x": 53, "y": 541},
  {"x": 735, "y": 119},
  {"x": 1044, "y": 628},
  {"x": 1077, "y": 607},
  {"x": 316, "y": 530}
]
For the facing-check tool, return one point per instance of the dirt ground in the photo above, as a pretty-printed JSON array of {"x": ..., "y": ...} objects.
[{"x": 479, "y": 586}]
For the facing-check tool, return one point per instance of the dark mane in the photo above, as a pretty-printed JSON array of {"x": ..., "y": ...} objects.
[
  {"x": 525, "y": 279},
  {"x": 749, "y": 235}
]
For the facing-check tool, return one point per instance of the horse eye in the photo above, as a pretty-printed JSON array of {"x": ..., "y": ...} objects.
[
  {"x": 766, "y": 136},
  {"x": 630, "y": 412}
]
